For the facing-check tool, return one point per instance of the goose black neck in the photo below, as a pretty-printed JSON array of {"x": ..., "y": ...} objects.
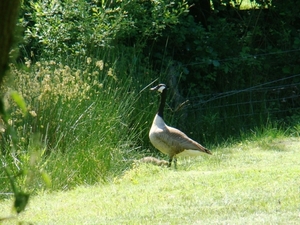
[{"x": 163, "y": 97}]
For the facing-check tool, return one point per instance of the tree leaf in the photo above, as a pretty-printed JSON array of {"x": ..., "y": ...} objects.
[
  {"x": 46, "y": 179},
  {"x": 21, "y": 200},
  {"x": 216, "y": 63},
  {"x": 19, "y": 100}
]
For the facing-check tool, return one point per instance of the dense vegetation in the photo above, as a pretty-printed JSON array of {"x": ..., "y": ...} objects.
[
  {"x": 199, "y": 49},
  {"x": 84, "y": 66}
]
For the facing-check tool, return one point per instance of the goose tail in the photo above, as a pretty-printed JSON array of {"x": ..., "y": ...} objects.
[
  {"x": 207, "y": 151},
  {"x": 203, "y": 149}
]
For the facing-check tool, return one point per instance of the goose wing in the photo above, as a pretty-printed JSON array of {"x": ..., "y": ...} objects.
[{"x": 180, "y": 141}]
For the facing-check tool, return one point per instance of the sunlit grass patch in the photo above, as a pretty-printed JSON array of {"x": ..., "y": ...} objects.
[{"x": 247, "y": 186}]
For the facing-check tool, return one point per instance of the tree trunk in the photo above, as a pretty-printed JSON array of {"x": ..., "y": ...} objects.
[{"x": 8, "y": 16}]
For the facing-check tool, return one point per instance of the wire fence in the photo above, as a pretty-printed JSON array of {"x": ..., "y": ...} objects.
[
  {"x": 277, "y": 100},
  {"x": 249, "y": 56}
]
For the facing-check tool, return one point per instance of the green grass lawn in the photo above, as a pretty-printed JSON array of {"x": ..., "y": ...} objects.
[{"x": 253, "y": 182}]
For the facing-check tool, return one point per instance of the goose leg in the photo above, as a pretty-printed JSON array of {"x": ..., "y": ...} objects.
[
  {"x": 170, "y": 161},
  {"x": 175, "y": 162}
]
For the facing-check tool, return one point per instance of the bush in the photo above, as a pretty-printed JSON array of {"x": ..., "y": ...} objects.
[{"x": 79, "y": 28}]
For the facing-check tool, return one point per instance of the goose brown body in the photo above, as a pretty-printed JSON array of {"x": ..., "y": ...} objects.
[{"x": 170, "y": 140}]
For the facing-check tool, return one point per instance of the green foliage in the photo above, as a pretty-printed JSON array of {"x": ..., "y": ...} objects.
[
  {"x": 79, "y": 28},
  {"x": 230, "y": 52}
]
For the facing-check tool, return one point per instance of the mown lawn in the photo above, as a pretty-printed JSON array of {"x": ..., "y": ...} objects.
[{"x": 253, "y": 182}]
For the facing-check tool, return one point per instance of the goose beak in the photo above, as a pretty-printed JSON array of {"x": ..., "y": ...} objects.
[{"x": 153, "y": 89}]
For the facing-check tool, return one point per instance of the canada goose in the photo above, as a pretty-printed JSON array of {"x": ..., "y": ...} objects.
[{"x": 170, "y": 140}]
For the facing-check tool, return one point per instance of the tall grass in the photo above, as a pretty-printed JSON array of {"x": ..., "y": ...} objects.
[{"x": 85, "y": 123}]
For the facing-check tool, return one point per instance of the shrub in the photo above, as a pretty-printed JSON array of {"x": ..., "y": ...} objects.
[{"x": 78, "y": 28}]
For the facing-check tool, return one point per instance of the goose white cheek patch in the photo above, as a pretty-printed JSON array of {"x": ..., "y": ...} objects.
[{"x": 161, "y": 89}]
